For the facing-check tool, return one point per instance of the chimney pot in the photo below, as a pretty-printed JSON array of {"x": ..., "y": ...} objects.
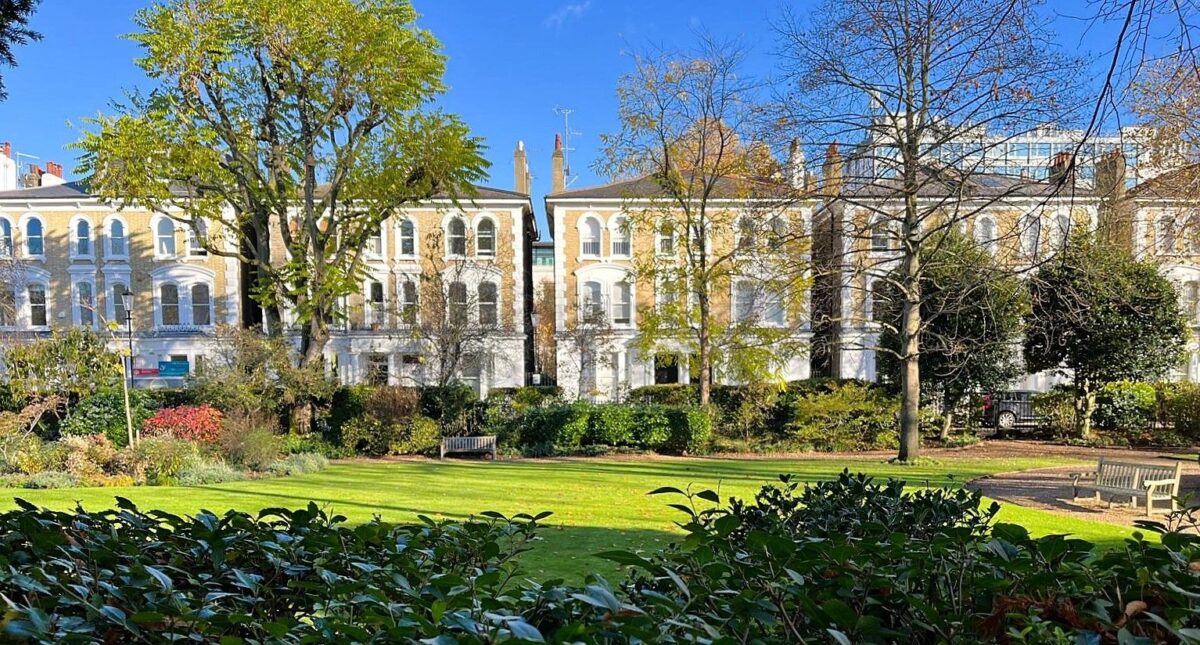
[
  {"x": 558, "y": 175},
  {"x": 8, "y": 150}
]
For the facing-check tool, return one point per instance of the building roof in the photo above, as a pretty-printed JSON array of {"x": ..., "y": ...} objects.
[
  {"x": 648, "y": 186},
  {"x": 1181, "y": 183}
]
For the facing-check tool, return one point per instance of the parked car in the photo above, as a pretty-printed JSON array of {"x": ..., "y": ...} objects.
[{"x": 1009, "y": 410}]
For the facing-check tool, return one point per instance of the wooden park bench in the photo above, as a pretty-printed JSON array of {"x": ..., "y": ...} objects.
[
  {"x": 483, "y": 445},
  {"x": 1154, "y": 482}
]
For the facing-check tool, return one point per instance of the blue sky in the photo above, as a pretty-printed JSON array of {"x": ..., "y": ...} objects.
[{"x": 510, "y": 64}]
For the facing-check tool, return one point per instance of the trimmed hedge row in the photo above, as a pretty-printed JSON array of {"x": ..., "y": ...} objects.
[{"x": 568, "y": 428}]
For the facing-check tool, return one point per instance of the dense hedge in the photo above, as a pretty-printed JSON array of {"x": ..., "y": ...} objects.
[
  {"x": 1128, "y": 413},
  {"x": 565, "y": 429},
  {"x": 849, "y": 560}
]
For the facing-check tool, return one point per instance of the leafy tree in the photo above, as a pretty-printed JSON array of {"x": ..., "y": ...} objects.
[
  {"x": 14, "y": 30},
  {"x": 688, "y": 123},
  {"x": 908, "y": 77},
  {"x": 1104, "y": 316},
  {"x": 60, "y": 370},
  {"x": 972, "y": 312},
  {"x": 306, "y": 123}
]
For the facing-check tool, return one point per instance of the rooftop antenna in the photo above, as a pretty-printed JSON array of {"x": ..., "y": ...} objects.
[{"x": 567, "y": 149}]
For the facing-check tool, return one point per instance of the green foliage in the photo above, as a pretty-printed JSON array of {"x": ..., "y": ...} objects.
[
  {"x": 249, "y": 442},
  {"x": 158, "y": 460},
  {"x": 690, "y": 429},
  {"x": 293, "y": 443},
  {"x": 972, "y": 310},
  {"x": 651, "y": 427},
  {"x": 346, "y": 403},
  {"x": 1106, "y": 317},
  {"x": 453, "y": 406},
  {"x": 554, "y": 429},
  {"x": 1126, "y": 406},
  {"x": 298, "y": 464},
  {"x": 609, "y": 424},
  {"x": 52, "y": 479},
  {"x": 70, "y": 364},
  {"x": 104, "y": 412},
  {"x": 1181, "y": 408},
  {"x": 419, "y": 436},
  {"x": 341, "y": 583},
  {"x": 366, "y": 436},
  {"x": 1056, "y": 410},
  {"x": 842, "y": 417},
  {"x": 674, "y": 394},
  {"x": 202, "y": 472}
]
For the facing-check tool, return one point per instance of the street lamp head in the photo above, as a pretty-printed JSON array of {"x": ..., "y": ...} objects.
[{"x": 127, "y": 301}]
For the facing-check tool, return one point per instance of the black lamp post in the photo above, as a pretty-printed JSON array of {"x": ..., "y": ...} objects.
[{"x": 127, "y": 303}]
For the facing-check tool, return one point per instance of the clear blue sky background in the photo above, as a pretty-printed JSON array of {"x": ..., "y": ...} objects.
[{"x": 510, "y": 64}]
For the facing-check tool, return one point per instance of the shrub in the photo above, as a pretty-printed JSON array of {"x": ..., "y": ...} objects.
[
  {"x": 104, "y": 413},
  {"x": 298, "y": 464},
  {"x": 610, "y": 424},
  {"x": 392, "y": 405},
  {"x": 454, "y": 407},
  {"x": 87, "y": 457},
  {"x": 201, "y": 472},
  {"x": 348, "y": 402},
  {"x": 673, "y": 394},
  {"x": 367, "y": 436},
  {"x": 557, "y": 429},
  {"x": 843, "y": 416},
  {"x": 690, "y": 429},
  {"x": 1126, "y": 407},
  {"x": 52, "y": 479},
  {"x": 651, "y": 427},
  {"x": 1056, "y": 411},
  {"x": 746, "y": 411},
  {"x": 1181, "y": 408},
  {"x": 248, "y": 441},
  {"x": 156, "y": 460},
  {"x": 199, "y": 423},
  {"x": 293, "y": 443},
  {"x": 39, "y": 456},
  {"x": 420, "y": 436}
]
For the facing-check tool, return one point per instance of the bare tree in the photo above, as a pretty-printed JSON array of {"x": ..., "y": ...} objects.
[
  {"x": 714, "y": 200},
  {"x": 929, "y": 83}
]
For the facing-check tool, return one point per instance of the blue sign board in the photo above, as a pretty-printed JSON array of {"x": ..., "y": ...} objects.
[{"x": 172, "y": 369}]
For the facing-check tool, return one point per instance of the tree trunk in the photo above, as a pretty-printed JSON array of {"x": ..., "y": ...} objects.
[
  {"x": 313, "y": 338},
  {"x": 1085, "y": 405},
  {"x": 947, "y": 424},
  {"x": 705, "y": 359},
  {"x": 910, "y": 371}
]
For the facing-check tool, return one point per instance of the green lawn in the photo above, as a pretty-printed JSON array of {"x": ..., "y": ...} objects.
[{"x": 597, "y": 504}]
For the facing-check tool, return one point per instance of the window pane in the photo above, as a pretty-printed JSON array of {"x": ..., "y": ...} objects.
[
  {"x": 201, "y": 310},
  {"x": 485, "y": 240},
  {"x": 458, "y": 237},
  {"x": 487, "y": 303},
  {"x": 168, "y": 297},
  {"x": 458, "y": 303},
  {"x": 197, "y": 236},
  {"x": 37, "y": 306},
  {"x": 33, "y": 238},
  {"x": 83, "y": 238},
  {"x": 622, "y": 305},
  {"x": 5, "y": 237},
  {"x": 408, "y": 241},
  {"x": 166, "y": 237},
  {"x": 118, "y": 291},
  {"x": 116, "y": 238},
  {"x": 591, "y": 237},
  {"x": 408, "y": 292},
  {"x": 84, "y": 291}
]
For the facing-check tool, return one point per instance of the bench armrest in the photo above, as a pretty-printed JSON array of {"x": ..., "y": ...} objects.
[
  {"x": 1151, "y": 483},
  {"x": 1075, "y": 477}
]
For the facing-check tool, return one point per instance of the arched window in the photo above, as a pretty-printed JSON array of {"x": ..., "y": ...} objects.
[
  {"x": 84, "y": 307},
  {"x": 408, "y": 238},
  {"x": 117, "y": 296},
  {"x": 375, "y": 242},
  {"x": 485, "y": 238},
  {"x": 487, "y": 304},
  {"x": 985, "y": 233},
  {"x": 1062, "y": 229},
  {"x": 1031, "y": 234},
  {"x": 622, "y": 244},
  {"x": 164, "y": 239},
  {"x": 6, "y": 239},
  {"x": 881, "y": 236},
  {"x": 1165, "y": 241},
  {"x": 457, "y": 238},
  {"x": 409, "y": 302},
  {"x": 458, "y": 303},
  {"x": 592, "y": 301},
  {"x": 622, "y": 306},
  {"x": 83, "y": 238},
  {"x": 666, "y": 238},
  {"x": 1189, "y": 299},
  {"x": 590, "y": 240},
  {"x": 197, "y": 237},
  {"x": 743, "y": 301},
  {"x": 34, "y": 242},
  {"x": 37, "y": 305},
  {"x": 168, "y": 304},
  {"x": 116, "y": 239},
  {"x": 746, "y": 241},
  {"x": 201, "y": 305}
]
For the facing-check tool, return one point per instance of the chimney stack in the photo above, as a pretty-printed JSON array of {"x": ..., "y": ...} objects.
[
  {"x": 1110, "y": 175},
  {"x": 522, "y": 181},
  {"x": 795, "y": 165},
  {"x": 33, "y": 178},
  {"x": 7, "y": 150},
  {"x": 832, "y": 169},
  {"x": 558, "y": 177},
  {"x": 1062, "y": 168}
]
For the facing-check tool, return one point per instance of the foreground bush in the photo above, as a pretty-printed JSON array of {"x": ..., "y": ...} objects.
[
  {"x": 198, "y": 423},
  {"x": 849, "y": 560}
]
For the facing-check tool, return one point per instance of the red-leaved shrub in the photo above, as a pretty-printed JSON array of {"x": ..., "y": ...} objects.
[{"x": 199, "y": 423}]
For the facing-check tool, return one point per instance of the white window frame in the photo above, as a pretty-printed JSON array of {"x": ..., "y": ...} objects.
[
  {"x": 985, "y": 225},
  {"x": 590, "y": 225},
  {"x": 406, "y": 303},
  {"x": 495, "y": 304},
  {"x": 400, "y": 238},
  {"x": 375, "y": 312},
  {"x": 451, "y": 238},
  {"x": 1031, "y": 235},
  {"x": 28, "y": 305},
  {"x": 74, "y": 239},
  {"x": 109, "y": 237},
  {"x": 160, "y": 306},
  {"x": 660, "y": 238},
  {"x": 6, "y": 238},
  {"x": 160, "y": 253},
  {"x": 196, "y": 249},
  {"x": 26, "y": 220},
  {"x": 191, "y": 305},
  {"x": 479, "y": 237},
  {"x": 615, "y": 292},
  {"x": 77, "y": 310},
  {"x": 620, "y": 230}
]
